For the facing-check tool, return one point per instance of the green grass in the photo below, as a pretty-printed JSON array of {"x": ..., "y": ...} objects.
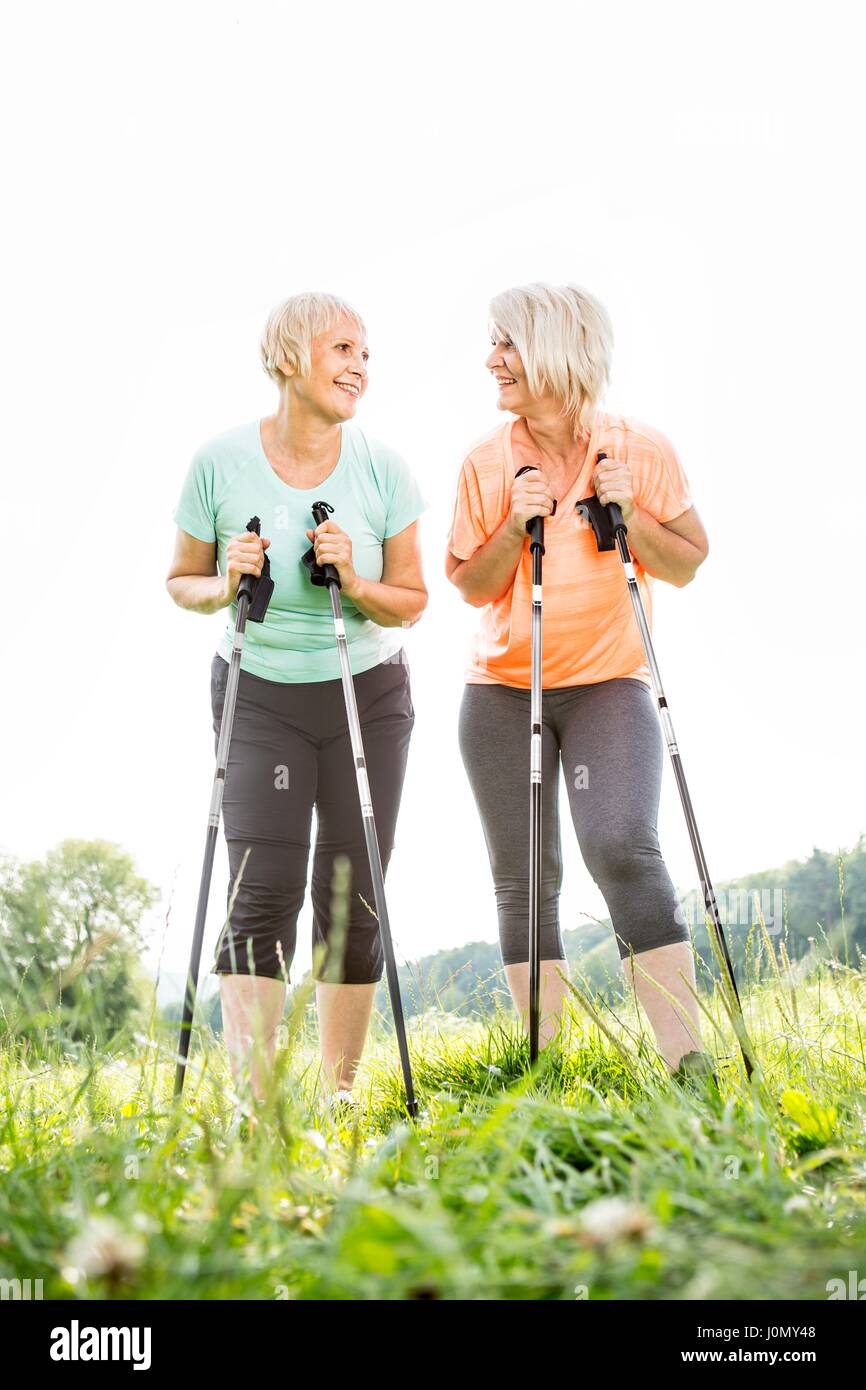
[{"x": 501, "y": 1191}]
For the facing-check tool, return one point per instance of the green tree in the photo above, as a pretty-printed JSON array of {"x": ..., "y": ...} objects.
[{"x": 70, "y": 938}]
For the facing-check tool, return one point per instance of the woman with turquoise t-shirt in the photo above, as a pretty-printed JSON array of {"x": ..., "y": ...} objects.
[{"x": 290, "y": 750}]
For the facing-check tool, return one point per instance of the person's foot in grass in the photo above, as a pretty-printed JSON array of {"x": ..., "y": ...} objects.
[
  {"x": 695, "y": 1072},
  {"x": 244, "y": 1120},
  {"x": 342, "y": 1105}
]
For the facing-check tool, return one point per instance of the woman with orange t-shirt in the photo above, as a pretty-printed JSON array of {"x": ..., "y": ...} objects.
[{"x": 551, "y": 360}]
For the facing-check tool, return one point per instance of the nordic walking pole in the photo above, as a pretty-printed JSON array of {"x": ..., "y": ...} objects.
[
  {"x": 619, "y": 533},
  {"x": 253, "y": 597},
  {"x": 327, "y": 575},
  {"x": 535, "y": 528}
]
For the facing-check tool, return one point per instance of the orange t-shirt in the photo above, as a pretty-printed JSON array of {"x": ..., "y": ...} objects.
[{"x": 590, "y": 633}]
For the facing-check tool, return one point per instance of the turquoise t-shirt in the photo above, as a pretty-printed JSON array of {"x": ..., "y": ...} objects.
[{"x": 374, "y": 496}]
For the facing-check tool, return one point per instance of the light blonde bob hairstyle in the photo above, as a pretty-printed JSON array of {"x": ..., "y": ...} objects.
[
  {"x": 291, "y": 327},
  {"x": 565, "y": 339}
]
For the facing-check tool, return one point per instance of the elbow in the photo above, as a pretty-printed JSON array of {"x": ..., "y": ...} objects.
[
  {"x": 474, "y": 600},
  {"x": 455, "y": 573},
  {"x": 415, "y": 613},
  {"x": 690, "y": 573},
  {"x": 464, "y": 589},
  {"x": 419, "y": 607},
  {"x": 174, "y": 584},
  {"x": 453, "y": 567}
]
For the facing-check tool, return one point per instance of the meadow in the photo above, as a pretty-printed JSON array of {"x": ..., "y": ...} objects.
[{"x": 595, "y": 1177}]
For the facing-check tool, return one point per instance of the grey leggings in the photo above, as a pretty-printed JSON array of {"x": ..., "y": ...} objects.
[{"x": 608, "y": 739}]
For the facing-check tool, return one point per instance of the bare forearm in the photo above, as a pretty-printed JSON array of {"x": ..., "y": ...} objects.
[
  {"x": 662, "y": 553},
  {"x": 490, "y": 571},
  {"x": 199, "y": 593},
  {"x": 389, "y": 605}
]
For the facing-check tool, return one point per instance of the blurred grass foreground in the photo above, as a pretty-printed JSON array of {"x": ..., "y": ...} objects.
[{"x": 593, "y": 1178}]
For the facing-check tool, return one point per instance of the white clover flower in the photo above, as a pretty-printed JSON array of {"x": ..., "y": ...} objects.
[
  {"x": 103, "y": 1247},
  {"x": 798, "y": 1203},
  {"x": 613, "y": 1218}
]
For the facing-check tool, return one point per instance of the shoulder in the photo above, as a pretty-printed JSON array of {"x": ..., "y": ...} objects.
[
  {"x": 381, "y": 472},
  {"x": 368, "y": 449},
  {"x": 487, "y": 453},
  {"x": 635, "y": 437},
  {"x": 377, "y": 461},
  {"x": 229, "y": 450},
  {"x": 661, "y": 486}
]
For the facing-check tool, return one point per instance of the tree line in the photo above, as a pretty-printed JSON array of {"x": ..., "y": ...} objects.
[{"x": 71, "y": 940}]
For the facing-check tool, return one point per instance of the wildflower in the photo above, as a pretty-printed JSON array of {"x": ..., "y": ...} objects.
[
  {"x": 797, "y": 1203},
  {"x": 612, "y": 1218},
  {"x": 103, "y": 1249}
]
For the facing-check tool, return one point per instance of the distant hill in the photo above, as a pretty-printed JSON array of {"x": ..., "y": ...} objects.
[{"x": 821, "y": 899}]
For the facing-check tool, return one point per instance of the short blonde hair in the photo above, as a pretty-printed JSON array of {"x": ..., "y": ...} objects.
[
  {"x": 291, "y": 327},
  {"x": 565, "y": 339}
]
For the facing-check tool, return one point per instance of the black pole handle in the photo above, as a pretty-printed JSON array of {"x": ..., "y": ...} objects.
[
  {"x": 248, "y": 581},
  {"x": 613, "y": 509},
  {"x": 535, "y": 525},
  {"x": 321, "y": 512}
]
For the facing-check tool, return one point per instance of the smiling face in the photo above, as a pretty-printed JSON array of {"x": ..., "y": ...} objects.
[
  {"x": 338, "y": 371},
  {"x": 508, "y": 372}
]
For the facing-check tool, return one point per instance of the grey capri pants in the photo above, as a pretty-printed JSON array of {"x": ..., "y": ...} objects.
[
  {"x": 608, "y": 739},
  {"x": 290, "y": 752}
]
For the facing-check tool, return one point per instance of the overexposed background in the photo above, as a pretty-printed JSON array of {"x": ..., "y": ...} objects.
[{"x": 172, "y": 171}]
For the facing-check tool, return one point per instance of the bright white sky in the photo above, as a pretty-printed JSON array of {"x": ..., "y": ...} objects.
[{"x": 172, "y": 171}]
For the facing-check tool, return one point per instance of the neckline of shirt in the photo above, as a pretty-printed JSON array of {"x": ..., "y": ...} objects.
[
  {"x": 327, "y": 482},
  {"x": 584, "y": 476}
]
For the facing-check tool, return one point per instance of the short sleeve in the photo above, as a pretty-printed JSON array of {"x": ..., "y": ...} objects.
[
  {"x": 195, "y": 512},
  {"x": 467, "y": 526},
  {"x": 405, "y": 502},
  {"x": 661, "y": 485}
]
